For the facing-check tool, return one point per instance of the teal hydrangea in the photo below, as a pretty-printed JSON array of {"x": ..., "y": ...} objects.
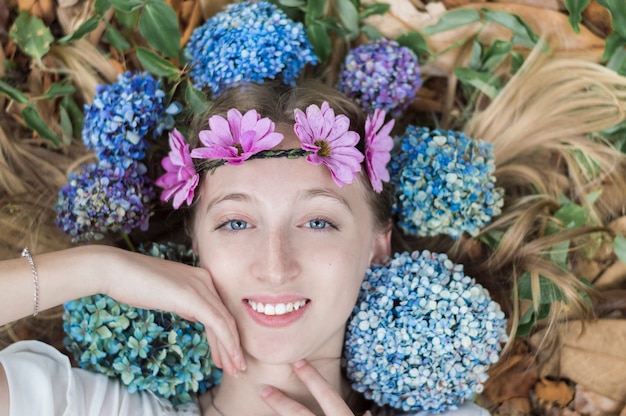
[{"x": 148, "y": 350}]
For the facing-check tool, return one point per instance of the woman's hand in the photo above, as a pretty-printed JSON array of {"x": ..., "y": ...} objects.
[
  {"x": 151, "y": 283},
  {"x": 325, "y": 394}
]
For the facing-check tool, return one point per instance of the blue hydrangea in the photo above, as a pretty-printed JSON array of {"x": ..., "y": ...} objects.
[
  {"x": 104, "y": 198},
  {"x": 247, "y": 42},
  {"x": 444, "y": 183},
  {"x": 381, "y": 75},
  {"x": 422, "y": 334},
  {"x": 147, "y": 350},
  {"x": 122, "y": 114}
]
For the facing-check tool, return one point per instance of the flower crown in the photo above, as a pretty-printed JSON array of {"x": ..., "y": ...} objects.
[{"x": 326, "y": 139}]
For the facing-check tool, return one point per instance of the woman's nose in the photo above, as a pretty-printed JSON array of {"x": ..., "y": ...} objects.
[{"x": 276, "y": 260}]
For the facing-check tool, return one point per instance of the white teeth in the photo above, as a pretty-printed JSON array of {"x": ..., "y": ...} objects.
[{"x": 277, "y": 309}]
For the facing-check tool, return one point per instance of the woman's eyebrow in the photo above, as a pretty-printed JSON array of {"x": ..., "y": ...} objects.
[
  {"x": 324, "y": 193},
  {"x": 235, "y": 196}
]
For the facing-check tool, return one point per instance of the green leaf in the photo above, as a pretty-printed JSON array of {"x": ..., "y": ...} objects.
[
  {"x": 101, "y": 6},
  {"x": 613, "y": 43},
  {"x": 317, "y": 35},
  {"x": 371, "y": 32},
  {"x": 33, "y": 119},
  {"x": 349, "y": 16},
  {"x": 575, "y": 9},
  {"x": 87, "y": 27},
  {"x": 315, "y": 9},
  {"x": 58, "y": 89},
  {"x": 196, "y": 99},
  {"x": 292, "y": 3},
  {"x": 127, "y": 20},
  {"x": 452, "y": 20},
  {"x": 75, "y": 113},
  {"x": 548, "y": 291},
  {"x": 156, "y": 65},
  {"x": 476, "y": 55},
  {"x": 127, "y": 6},
  {"x": 31, "y": 35},
  {"x": 483, "y": 81},
  {"x": 115, "y": 38},
  {"x": 376, "y": 8},
  {"x": 522, "y": 33},
  {"x": 158, "y": 24},
  {"x": 572, "y": 216},
  {"x": 13, "y": 93},
  {"x": 517, "y": 60},
  {"x": 617, "y": 8},
  {"x": 66, "y": 122},
  {"x": 496, "y": 54},
  {"x": 558, "y": 254},
  {"x": 530, "y": 318},
  {"x": 415, "y": 42},
  {"x": 619, "y": 247}
]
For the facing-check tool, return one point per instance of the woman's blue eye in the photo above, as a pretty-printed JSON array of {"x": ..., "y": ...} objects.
[
  {"x": 237, "y": 225},
  {"x": 318, "y": 224}
]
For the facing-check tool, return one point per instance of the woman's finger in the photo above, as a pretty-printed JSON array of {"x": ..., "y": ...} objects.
[
  {"x": 328, "y": 398},
  {"x": 281, "y": 404}
]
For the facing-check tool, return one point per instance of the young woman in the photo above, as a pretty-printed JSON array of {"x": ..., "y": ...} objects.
[{"x": 285, "y": 230}]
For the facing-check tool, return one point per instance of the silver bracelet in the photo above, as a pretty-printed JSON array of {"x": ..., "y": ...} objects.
[{"x": 26, "y": 254}]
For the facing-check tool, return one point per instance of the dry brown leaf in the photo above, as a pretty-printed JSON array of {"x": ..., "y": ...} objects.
[
  {"x": 619, "y": 225},
  {"x": 512, "y": 378},
  {"x": 210, "y": 7},
  {"x": 451, "y": 4},
  {"x": 598, "y": 19},
  {"x": 544, "y": 4},
  {"x": 593, "y": 404},
  {"x": 553, "y": 25},
  {"x": 551, "y": 391},
  {"x": 595, "y": 358},
  {"x": 515, "y": 407},
  {"x": 612, "y": 278},
  {"x": 45, "y": 9}
]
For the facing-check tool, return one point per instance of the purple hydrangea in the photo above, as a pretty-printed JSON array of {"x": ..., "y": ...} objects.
[
  {"x": 247, "y": 42},
  {"x": 105, "y": 198},
  {"x": 122, "y": 114},
  {"x": 444, "y": 183},
  {"x": 422, "y": 335},
  {"x": 381, "y": 75},
  {"x": 147, "y": 350}
]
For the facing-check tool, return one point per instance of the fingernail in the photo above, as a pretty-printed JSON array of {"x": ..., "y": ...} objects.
[
  {"x": 299, "y": 364},
  {"x": 240, "y": 361},
  {"x": 266, "y": 391}
]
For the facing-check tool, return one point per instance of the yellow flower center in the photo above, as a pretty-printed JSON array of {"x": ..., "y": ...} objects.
[{"x": 324, "y": 148}]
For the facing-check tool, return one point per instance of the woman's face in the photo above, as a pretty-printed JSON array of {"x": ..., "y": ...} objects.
[{"x": 287, "y": 249}]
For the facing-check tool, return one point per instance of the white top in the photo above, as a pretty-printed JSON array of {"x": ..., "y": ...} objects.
[{"x": 42, "y": 382}]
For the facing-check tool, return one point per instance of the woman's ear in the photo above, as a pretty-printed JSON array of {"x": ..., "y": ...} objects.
[{"x": 382, "y": 245}]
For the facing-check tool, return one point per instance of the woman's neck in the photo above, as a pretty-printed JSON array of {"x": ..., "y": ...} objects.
[{"x": 240, "y": 395}]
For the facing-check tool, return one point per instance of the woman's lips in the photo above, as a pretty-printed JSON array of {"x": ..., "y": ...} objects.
[{"x": 278, "y": 314}]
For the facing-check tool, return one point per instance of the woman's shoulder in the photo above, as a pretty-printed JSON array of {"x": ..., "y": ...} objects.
[{"x": 42, "y": 381}]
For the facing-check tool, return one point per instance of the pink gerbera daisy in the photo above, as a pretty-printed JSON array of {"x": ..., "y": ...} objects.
[
  {"x": 378, "y": 145},
  {"x": 236, "y": 138},
  {"x": 329, "y": 138},
  {"x": 181, "y": 178}
]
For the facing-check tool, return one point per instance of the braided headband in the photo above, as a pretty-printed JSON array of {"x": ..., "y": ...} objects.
[{"x": 325, "y": 139}]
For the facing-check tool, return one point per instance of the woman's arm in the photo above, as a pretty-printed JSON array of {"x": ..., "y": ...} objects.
[{"x": 136, "y": 279}]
